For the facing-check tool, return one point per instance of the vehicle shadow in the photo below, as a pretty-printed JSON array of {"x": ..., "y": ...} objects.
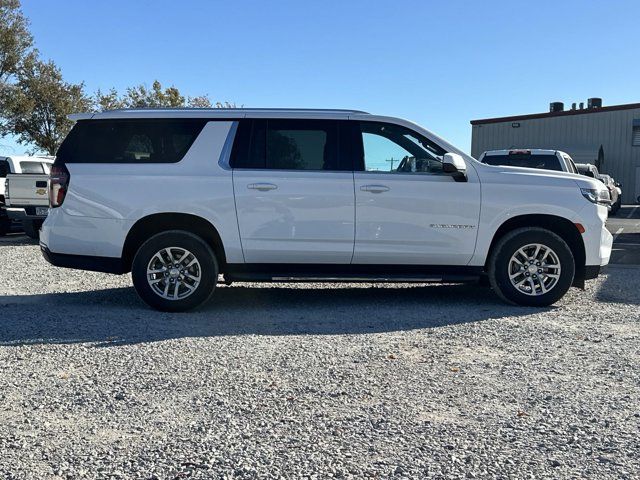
[
  {"x": 116, "y": 316},
  {"x": 616, "y": 288},
  {"x": 17, "y": 240}
]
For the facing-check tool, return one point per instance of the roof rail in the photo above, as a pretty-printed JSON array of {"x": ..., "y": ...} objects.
[{"x": 200, "y": 109}]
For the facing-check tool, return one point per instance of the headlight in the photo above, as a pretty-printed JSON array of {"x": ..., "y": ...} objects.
[{"x": 598, "y": 196}]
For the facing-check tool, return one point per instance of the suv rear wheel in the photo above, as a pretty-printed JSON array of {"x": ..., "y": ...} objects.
[
  {"x": 175, "y": 271},
  {"x": 531, "y": 266}
]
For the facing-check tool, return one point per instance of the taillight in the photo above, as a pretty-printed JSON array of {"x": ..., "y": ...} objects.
[{"x": 58, "y": 185}]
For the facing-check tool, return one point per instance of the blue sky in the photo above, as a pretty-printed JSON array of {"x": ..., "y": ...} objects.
[{"x": 440, "y": 64}]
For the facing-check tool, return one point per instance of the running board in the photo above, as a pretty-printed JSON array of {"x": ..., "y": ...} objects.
[
  {"x": 351, "y": 273},
  {"x": 358, "y": 279}
]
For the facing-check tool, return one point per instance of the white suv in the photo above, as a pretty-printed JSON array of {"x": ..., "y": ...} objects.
[{"x": 179, "y": 197}]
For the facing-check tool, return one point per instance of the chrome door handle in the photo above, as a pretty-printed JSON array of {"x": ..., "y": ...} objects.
[
  {"x": 263, "y": 187},
  {"x": 374, "y": 188}
]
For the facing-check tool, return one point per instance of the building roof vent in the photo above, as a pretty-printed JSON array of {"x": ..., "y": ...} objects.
[
  {"x": 556, "y": 107},
  {"x": 594, "y": 102}
]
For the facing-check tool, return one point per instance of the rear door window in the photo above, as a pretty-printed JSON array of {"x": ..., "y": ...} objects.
[
  {"x": 545, "y": 162},
  {"x": 130, "y": 141},
  {"x": 289, "y": 144}
]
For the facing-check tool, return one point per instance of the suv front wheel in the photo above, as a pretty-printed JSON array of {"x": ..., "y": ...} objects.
[
  {"x": 531, "y": 266},
  {"x": 175, "y": 271}
]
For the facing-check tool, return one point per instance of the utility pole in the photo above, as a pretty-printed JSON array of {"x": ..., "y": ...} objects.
[{"x": 391, "y": 160}]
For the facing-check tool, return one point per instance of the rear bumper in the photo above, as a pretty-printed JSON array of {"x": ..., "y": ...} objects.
[
  {"x": 82, "y": 262},
  {"x": 27, "y": 213}
]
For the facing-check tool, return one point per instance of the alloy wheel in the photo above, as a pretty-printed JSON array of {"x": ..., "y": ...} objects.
[
  {"x": 174, "y": 273},
  {"x": 534, "y": 269}
]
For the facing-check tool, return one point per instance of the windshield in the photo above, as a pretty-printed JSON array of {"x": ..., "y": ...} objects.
[{"x": 546, "y": 162}]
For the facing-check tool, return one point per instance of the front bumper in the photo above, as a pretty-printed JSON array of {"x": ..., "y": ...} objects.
[{"x": 598, "y": 241}]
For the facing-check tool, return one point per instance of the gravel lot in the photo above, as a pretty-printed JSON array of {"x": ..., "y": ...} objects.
[{"x": 439, "y": 381}]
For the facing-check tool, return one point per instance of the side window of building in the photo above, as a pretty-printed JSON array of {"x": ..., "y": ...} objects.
[
  {"x": 130, "y": 141},
  {"x": 636, "y": 133},
  {"x": 390, "y": 148},
  {"x": 289, "y": 144}
]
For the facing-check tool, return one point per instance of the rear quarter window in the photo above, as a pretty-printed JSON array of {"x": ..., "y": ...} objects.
[{"x": 129, "y": 141}]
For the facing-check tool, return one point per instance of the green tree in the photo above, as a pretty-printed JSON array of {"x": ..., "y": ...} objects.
[
  {"x": 35, "y": 107},
  {"x": 16, "y": 42},
  {"x": 141, "y": 96},
  {"x": 110, "y": 100}
]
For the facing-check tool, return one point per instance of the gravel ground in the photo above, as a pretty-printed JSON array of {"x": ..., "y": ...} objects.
[{"x": 314, "y": 381}]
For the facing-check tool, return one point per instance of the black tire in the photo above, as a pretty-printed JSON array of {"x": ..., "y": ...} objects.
[
  {"x": 5, "y": 226},
  {"x": 32, "y": 228},
  {"x": 618, "y": 204},
  {"x": 181, "y": 240},
  {"x": 615, "y": 207},
  {"x": 508, "y": 245}
]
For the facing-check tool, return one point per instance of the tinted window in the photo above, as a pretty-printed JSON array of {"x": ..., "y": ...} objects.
[
  {"x": 546, "y": 162},
  {"x": 392, "y": 148},
  {"x": 32, "y": 168},
  {"x": 4, "y": 168},
  {"x": 289, "y": 145},
  {"x": 586, "y": 170},
  {"x": 129, "y": 141}
]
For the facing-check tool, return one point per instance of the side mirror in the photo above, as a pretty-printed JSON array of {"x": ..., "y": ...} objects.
[{"x": 453, "y": 164}]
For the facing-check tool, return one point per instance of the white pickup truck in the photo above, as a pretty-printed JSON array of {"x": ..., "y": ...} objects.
[
  {"x": 25, "y": 191},
  {"x": 177, "y": 197}
]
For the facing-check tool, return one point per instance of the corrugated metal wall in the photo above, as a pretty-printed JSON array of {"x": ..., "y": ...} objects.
[{"x": 579, "y": 135}]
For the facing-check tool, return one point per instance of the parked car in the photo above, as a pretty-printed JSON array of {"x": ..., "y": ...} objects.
[
  {"x": 592, "y": 171},
  {"x": 18, "y": 164},
  {"x": 27, "y": 198},
  {"x": 530, "y": 158},
  {"x": 614, "y": 190},
  {"x": 178, "y": 197},
  {"x": 588, "y": 170}
]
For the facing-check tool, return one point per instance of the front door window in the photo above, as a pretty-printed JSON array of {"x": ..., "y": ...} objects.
[{"x": 392, "y": 148}]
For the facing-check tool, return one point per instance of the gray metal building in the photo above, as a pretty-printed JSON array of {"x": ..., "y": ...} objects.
[{"x": 608, "y": 137}]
